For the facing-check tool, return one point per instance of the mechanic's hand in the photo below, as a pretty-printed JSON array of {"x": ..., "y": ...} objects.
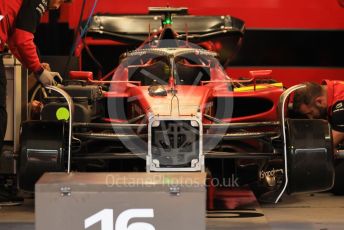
[
  {"x": 49, "y": 78},
  {"x": 46, "y": 66}
]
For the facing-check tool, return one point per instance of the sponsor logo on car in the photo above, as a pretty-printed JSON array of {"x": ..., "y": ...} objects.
[{"x": 271, "y": 173}]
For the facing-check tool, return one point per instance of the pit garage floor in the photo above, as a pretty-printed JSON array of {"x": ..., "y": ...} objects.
[{"x": 321, "y": 211}]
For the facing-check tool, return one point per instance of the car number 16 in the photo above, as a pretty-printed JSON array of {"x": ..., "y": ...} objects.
[{"x": 106, "y": 219}]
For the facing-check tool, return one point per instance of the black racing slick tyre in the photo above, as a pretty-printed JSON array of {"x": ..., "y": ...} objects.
[
  {"x": 310, "y": 156},
  {"x": 338, "y": 188},
  {"x": 43, "y": 145}
]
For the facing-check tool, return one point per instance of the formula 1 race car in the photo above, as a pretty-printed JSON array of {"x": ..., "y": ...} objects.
[{"x": 170, "y": 107}]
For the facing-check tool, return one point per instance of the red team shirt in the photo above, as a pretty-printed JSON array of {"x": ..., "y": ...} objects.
[
  {"x": 335, "y": 104},
  {"x": 19, "y": 22}
]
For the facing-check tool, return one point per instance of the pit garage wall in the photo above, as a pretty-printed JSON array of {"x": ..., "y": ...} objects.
[
  {"x": 316, "y": 18},
  {"x": 273, "y": 14}
]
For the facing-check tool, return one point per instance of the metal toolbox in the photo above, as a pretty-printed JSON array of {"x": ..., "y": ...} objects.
[{"x": 120, "y": 201}]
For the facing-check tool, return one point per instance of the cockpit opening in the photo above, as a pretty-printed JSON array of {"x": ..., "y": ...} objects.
[{"x": 158, "y": 66}]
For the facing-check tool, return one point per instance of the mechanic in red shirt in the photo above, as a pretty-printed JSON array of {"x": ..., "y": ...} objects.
[
  {"x": 325, "y": 101},
  {"x": 18, "y": 22}
]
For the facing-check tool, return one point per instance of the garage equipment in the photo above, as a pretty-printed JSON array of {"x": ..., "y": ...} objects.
[{"x": 119, "y": 201}]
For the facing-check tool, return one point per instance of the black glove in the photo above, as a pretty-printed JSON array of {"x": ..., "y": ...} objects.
[{"x": 47, "y": 78}]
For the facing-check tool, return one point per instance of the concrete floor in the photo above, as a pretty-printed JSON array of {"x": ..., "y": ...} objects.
[{"x": 321, "y": 211}]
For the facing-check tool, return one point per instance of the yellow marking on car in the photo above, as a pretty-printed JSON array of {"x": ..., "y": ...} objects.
[
  {"x": 62, "y": 114},
  {"x": 258, "y": 87}
]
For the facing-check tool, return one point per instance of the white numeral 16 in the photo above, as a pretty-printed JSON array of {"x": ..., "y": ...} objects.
[{"x": 105, "y": 217}]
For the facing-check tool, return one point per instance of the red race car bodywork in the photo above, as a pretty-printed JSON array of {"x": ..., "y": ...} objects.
[{"x": 171, "y": 105}]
